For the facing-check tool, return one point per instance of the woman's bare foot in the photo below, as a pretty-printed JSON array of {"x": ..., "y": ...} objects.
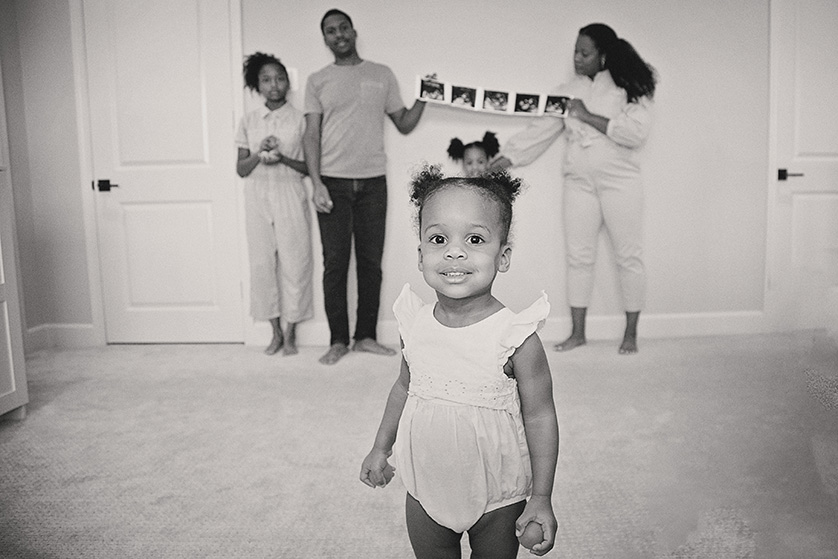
[
  {"x": 570, "y": 343},
  {"x": 336, "y": 351},
  {"x": 629, "y": 345},
  {"x": 369, "y": 345},
  {"x": 276, "y": 344},
  {"x": 290, "y": 346}
]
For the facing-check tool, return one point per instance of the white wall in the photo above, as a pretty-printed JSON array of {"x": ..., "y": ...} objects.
[
  {"x": 705, "y": 165},
  {"x": 45, "y": 165}
]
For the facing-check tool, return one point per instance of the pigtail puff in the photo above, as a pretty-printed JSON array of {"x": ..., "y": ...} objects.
[
  {"x": 456, "y": 149},
  {"x": 490, "y": 144},
  {"x": 510, "y": 185},
  {"x": 423, "y": 182}
]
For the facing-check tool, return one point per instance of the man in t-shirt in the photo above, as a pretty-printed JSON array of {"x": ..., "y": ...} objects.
[{"x": 345, "y": 106}]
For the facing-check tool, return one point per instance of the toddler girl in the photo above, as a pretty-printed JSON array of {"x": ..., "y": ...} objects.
[
  {"x": 473, "y": 403},
  {"x": 476, "y": 155},
  {"x": 277, "y": 216}
]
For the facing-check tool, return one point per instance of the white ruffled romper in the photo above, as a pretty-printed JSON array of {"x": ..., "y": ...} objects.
[{"x": 461, "y": 450}]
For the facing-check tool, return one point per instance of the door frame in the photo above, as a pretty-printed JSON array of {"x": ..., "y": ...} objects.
[
  {"x": 85, "y": 140},
  {"x": 770, "y": 304}
]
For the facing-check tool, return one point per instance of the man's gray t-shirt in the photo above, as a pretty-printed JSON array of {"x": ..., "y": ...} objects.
[{"x": 354, "y": 101}]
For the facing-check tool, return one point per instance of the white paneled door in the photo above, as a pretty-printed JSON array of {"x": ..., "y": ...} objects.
[
  {"x": 160, "y": 86},
  {"x": 803, "y": 203}
]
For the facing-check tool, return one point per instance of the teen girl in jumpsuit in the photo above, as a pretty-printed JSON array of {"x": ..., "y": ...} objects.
[
  {"x": 608, "y": 121},
  {"x": 277, "y": 214}
]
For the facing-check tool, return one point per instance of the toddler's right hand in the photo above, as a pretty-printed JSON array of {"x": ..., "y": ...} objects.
[{"x": 376, "y": 471}]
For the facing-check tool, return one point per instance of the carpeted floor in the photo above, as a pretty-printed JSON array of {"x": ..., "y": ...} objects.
[{"x": 696, "y": 448}]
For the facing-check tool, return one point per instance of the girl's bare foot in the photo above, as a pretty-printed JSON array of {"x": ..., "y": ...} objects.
[
  {"x": 275, "y": 345},
  {"x": 570, "y": 343},
  {"x": 277, "y": 340},
  {"x": 336, "y": 351},
  {"x": 290, "y": 347}
]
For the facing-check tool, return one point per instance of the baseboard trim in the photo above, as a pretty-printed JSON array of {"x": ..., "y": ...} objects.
[
  {"x": 651, "y": 326},
  {"x": 556, "y": 329},
  {"x": 63, "y": 336},
  {"x": 68, "y": 336}
]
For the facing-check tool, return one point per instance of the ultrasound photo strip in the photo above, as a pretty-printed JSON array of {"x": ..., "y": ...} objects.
[{"x": 432, "y": 90}]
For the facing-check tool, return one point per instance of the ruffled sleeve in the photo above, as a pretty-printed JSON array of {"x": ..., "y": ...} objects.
[
  {"x": 406, "y": 308},
  {"x": 524, "y": 323}
]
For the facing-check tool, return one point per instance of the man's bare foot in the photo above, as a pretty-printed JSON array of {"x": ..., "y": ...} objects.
[
  {"x": 570, "y": 343},
  {"x": 276, "y": 344},
  {"x": 629, "y": 346},
  {"x": 336, "y": 351},
  {"x": 369, "y": 345}
]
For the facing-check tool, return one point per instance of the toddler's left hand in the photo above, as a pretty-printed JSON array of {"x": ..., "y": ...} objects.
[{"x": 540, "y": 510}]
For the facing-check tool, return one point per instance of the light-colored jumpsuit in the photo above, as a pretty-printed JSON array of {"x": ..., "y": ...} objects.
[
  {"x": 277, "y": 219},
  {"x": 602, "y": 183}
]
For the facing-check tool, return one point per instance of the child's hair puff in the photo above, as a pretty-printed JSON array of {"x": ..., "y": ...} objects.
[
  {"x": 253, "y": 64},
  {"x": 489, "y": 144},
  {"x": 498, "y": 186}
]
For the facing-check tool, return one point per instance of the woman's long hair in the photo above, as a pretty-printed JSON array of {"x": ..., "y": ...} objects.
[{"x": 628, "y": 70}]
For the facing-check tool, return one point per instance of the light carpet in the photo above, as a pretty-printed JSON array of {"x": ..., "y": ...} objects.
[{"x": 721, "y": 447}]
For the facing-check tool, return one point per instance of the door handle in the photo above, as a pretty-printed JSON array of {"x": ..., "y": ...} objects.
[
  {"x": 103, "y": 184},
  {"x": 783, "y": 174}
]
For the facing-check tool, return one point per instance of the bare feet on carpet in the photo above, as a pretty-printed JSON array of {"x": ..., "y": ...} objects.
[
  {"x": 570, "y": 343},
  {"x": 369, "y": 345},
  {"x": 336, "y": 351},
  {"x": 629, "y": 345},
  {"x": 276, "y": 344},
  {"x": 290, "y": 346}
]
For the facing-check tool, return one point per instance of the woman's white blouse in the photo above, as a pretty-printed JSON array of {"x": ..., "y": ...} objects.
[{"x": 628, "y": 127}]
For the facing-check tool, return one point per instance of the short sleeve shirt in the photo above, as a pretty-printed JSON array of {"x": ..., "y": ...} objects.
[{"x": 354, "y": 101}]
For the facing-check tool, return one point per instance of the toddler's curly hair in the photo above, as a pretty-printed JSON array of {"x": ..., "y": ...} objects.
[
  {"x": 498, "y": 186},
  {"x": 489, "y": 144},
  {"x": 254, "y": 63}
]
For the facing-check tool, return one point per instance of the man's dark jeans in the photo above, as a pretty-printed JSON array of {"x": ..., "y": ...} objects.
[{"x": 359, "y": 211}]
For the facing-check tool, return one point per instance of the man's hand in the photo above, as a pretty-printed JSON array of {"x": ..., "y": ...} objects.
[{"x": 321, "y": 199}]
